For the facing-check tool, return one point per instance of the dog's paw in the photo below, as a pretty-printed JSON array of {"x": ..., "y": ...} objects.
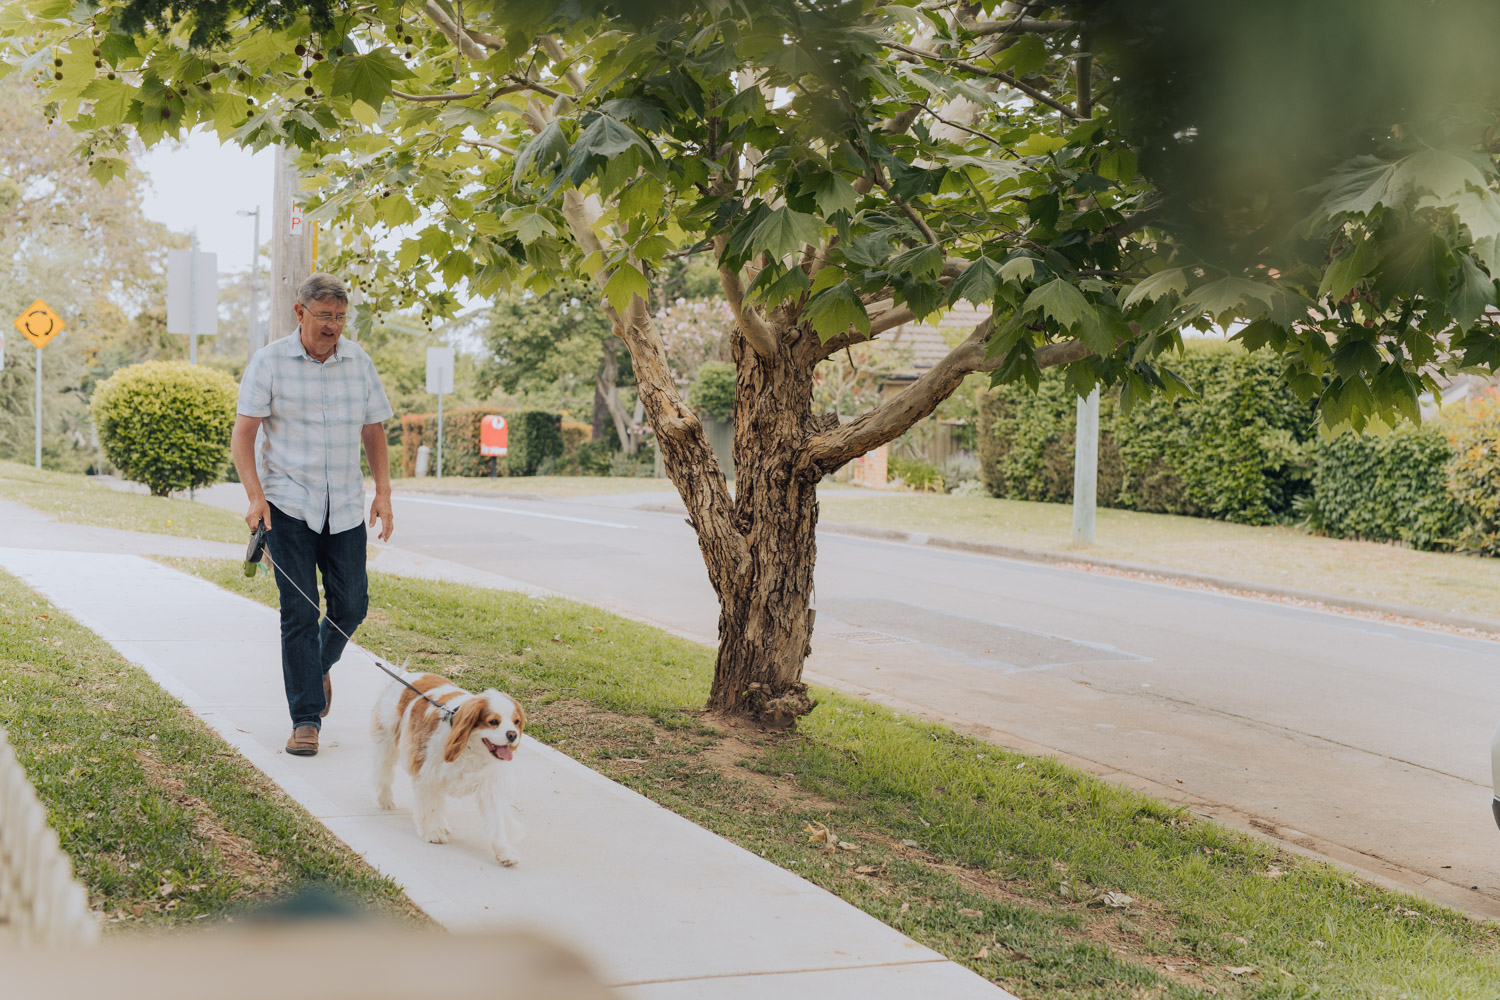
[
  {"x": 385, "y": 799},
  {"x": 507, "y": 857},
  {"x": 436, "y": 833}
]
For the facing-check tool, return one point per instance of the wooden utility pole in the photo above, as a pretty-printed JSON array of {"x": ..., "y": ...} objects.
[{"x": 291, "y": 247}]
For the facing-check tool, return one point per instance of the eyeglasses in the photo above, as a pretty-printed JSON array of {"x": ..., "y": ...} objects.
[{"x": 330, "y": 317}]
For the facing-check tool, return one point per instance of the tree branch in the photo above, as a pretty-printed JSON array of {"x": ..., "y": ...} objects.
[
  {"x": 895, "y": 416},
  {"x": 456, "y": 35},
  {"x": 1022, "y": 26},
  {"x": 436, "y": 97},
  {"x": 993, "y": 74},
  {"x": 757, "y": 335}
]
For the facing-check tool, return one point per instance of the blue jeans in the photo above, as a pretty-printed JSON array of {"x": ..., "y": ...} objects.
[{"x": 309, "y": 648}]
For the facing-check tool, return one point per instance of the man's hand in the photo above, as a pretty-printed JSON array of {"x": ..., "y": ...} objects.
[
  {"x": 381, "y": 508},
  {"x": 259, "y": 511}
]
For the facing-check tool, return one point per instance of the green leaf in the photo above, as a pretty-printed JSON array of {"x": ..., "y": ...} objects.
[
  {"x": 834, "y": 194},
  {"x": 1020, "y": 268},
  {"x": 1058, "y": 299},
  {"x": 625, "y": 282},
  {"x": 1472, "y": 293},
  {"x": 1172, "y": 281},
  {"x": 783, "y": 232},
  {"x": 1346, "y": 271},
  {"x": 834, "y": 311},
  {"x": 1355, "y": 356},
  {"x": 920, "y": 262},
  {"x": 1027, "y": 55},
  {"x": 776, "y": 284},
  {"x": 642, "y": 198},
  {"x": 546, "y": 148},
  {"x": 106, "y": 168},
  {"x": 368, "y": 76},
  {"x": 1260, "y": 333},
  {"x": 532, "y": 226},
  {"x": 1037, "y": 145},
  {"x": 1412, "y": 263},
  {"x": 111, "y": 100},
  {"x": 978, "y": 284}
]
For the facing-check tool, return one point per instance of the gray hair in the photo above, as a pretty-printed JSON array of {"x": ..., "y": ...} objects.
[{"x": 322, "y": 286}]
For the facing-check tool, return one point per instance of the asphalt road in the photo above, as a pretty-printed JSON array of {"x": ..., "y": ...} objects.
[{"x": 1358, "y": 741}]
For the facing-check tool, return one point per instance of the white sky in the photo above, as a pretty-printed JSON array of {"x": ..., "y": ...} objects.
[{"x": 198, "y": 185}]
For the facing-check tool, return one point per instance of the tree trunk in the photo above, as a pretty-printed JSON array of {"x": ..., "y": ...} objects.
[
  {"x": 765, "y": 619},
  {"x": 606, "y": 387},
  {"x": 601, "y": 408}
]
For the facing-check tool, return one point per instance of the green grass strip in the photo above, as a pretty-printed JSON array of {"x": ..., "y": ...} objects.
[
  {"x": 76, "y": 500},
  {"x": 166, "y": 824},
  {"x": 1002, "y": 862}
]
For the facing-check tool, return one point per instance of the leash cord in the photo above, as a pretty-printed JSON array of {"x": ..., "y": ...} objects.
[{"x": 446, "y": 712}]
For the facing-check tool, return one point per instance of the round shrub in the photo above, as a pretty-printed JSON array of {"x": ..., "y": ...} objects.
[
  {"x": 712, "y": 392},
  {"x": 166, "y": 423},
  {"x": 1474, "y": 473}
]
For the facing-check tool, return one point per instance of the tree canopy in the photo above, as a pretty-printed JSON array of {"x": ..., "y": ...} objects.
[
  {"x": 1097, "y": 177},
  {"x": 859, "y": 163}
]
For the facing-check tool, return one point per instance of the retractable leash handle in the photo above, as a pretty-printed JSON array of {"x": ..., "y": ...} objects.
[{"x": 256, "y": 548}]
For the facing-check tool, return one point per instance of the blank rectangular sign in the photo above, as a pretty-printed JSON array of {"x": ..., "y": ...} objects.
[
  {"x": 192, "y": 292},
  {"x": 439, "y": 370}
]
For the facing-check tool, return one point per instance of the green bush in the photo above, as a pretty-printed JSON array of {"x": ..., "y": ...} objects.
[
  {"x": 712, "y": 391},
  {"x": 1238, "y": 451},
  {"x": 1385, "y": 485},
  {"x": 1473, "y": 474},
  {"x": 916, "y": 474},
  {"x": 166, "y": 423},
  {"x": 535, "y": 436},
  {"x": 531, "y": 435}
]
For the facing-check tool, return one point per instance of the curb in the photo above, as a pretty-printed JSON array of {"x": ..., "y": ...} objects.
[{"x": 1489, "y": 626}]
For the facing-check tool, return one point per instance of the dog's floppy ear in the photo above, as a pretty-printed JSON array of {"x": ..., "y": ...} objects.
[
  {"x": 464, "y": 721},
  {"x": 520, "y": 718}
]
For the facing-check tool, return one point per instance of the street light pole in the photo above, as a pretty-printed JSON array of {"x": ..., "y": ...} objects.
[{"x": 254, "y": 336}]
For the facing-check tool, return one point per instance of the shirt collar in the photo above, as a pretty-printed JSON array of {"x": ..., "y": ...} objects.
[{"x": 296, "y": 349}]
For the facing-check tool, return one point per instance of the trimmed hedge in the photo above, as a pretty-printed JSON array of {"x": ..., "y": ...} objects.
[
  {"x": 531, "y": 437},
  {"x": 166, "y": 423},
  {"x": 1389, "y": 486},
  {"x": 1239, "y": 451},
  {"x": 1473, "y": 473}
]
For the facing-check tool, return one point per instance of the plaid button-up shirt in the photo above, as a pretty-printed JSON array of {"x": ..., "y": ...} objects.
[{"x": 307, "y": 455}]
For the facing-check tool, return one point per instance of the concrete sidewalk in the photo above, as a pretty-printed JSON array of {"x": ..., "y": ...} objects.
[{"x": 664, "y": 909}]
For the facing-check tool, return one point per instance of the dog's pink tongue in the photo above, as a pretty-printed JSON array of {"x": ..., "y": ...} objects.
[{"x": 504, "y": 753}]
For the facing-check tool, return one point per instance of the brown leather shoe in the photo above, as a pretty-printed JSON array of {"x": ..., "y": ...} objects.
[
  {"x": 327, "y": 697},
  {"x": 303, "y": 742}
]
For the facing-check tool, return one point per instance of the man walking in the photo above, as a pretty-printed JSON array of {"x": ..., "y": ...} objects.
[{"x": 315, "y": 397}]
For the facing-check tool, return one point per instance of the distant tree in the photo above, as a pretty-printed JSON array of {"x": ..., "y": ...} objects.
[{"x": 91, "y": 255}]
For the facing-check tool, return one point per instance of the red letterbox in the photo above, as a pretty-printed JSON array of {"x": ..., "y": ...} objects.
[{"x": 492, "y": 436}]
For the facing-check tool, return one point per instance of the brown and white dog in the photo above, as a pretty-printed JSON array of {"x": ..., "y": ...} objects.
[{"x": 469, "y": 755}]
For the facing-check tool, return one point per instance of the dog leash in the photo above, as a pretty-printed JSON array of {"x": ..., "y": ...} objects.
[{"x": 253, "y": 554}]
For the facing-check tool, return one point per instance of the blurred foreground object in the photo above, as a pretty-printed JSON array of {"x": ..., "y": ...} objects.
[
  {"x": 332, "y": 961},
  {"x": 40, "y": 901}
]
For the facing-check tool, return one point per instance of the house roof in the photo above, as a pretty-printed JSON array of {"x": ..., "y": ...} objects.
[{"x": 928, "y": 342}]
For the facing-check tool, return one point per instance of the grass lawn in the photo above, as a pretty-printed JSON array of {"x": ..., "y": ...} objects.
[
  {"x": 1039, "y": 877},
  {"x": 76, "y": 500},
  {"x": 1280, "y": 556},
  {"x": 166, "y": 824}
]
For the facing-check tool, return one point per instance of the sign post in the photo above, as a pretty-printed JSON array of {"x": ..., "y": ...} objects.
[
  {"x": 192, "y": 295},
  {"x": 39, "y": 324},
  {"x": 440, "y": 381},
  {"x": 492, "y": 439}
]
